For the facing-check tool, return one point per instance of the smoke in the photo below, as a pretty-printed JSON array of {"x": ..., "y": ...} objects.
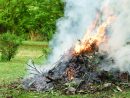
[
  {"x": 118, "y": 49},
  {"x": 78, "y": 15}
]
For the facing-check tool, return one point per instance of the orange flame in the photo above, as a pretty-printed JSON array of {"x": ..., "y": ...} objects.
[{"x": 88, "y": 40}]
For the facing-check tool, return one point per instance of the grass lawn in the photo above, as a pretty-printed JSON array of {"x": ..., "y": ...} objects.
[{"x": 12, "y": 72}]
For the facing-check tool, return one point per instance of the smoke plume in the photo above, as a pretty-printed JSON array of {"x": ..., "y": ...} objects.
[
  {"x": 78, "y": 15},
  {"x": 118, "y": 47}
]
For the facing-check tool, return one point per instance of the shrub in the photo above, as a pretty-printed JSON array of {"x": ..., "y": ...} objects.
[
  {"x": 46, "y": 52},
  {"x": 8, "y": 45}
]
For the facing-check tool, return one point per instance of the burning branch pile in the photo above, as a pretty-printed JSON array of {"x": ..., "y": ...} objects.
[{"x": 80, "y": 68}]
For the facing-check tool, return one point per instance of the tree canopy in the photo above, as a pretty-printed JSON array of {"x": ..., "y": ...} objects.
[{"x": 30, "y": 17}]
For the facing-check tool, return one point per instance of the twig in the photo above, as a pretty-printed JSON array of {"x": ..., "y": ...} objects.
[{"x": 34, "y": 67}]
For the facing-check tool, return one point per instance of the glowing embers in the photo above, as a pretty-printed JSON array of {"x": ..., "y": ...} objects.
[{"x": 70, "y": 73}]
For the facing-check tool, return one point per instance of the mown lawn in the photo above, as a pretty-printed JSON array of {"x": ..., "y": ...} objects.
[{"x": 12, "y": 72}]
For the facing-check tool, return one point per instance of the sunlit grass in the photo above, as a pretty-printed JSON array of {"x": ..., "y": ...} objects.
[
  {"x": 35, "y": 42},
  {"x": 16, "y": 67}
]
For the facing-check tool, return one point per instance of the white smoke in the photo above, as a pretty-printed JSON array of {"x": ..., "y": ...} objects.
[
  {"x": 118, "y": 49},
  {"x": 78, "y": 15}
]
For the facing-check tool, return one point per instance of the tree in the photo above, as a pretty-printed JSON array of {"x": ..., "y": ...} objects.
[
  {"x": 23, "y": 17},
  {"x": 9, "y": 44}
]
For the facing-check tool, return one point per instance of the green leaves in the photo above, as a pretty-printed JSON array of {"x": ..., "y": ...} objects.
[
  {"x": 8, "y": 45},
  {"x": 24, "y": 16}
]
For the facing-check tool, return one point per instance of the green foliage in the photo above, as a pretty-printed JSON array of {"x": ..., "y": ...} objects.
[
  {"x": 23, "y": 17},
  {"x": 12, "y": 15},
  {"x": 46, "y": 52},
  {"x": 8, "y": 45}
]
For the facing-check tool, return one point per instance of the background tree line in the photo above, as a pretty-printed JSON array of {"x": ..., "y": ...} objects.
[
  {"x": 26, "y": 20},
  {"x": 30, "y": 18}
]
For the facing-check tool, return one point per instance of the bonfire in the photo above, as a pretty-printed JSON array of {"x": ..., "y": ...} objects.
[{"x": 80, "y": 68}]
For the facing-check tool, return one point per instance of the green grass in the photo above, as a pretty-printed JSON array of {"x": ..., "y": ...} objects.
[
  {"x": 35, "y": 43},
  {"x": 16, "y": 67},
  {"x": 10, "y": 72}
]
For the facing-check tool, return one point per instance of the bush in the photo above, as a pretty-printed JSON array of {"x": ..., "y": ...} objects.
[
  {"x": 8, "y": 45},
  {"x": 46, "y": 52}
]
